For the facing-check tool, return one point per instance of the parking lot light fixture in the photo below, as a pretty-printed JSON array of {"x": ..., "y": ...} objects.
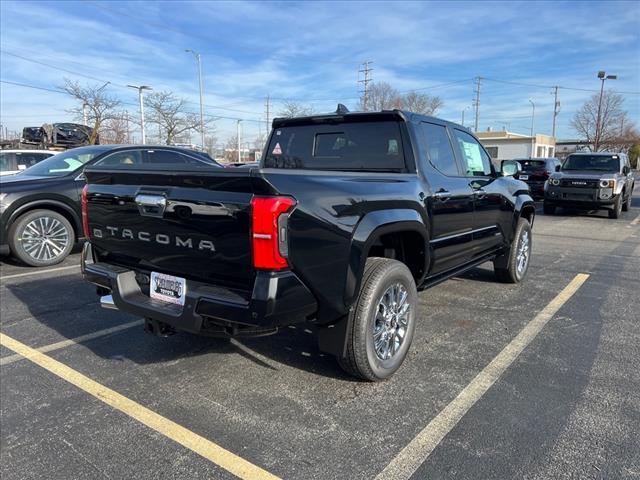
[
  {"x": 602, "y": 76},
  {"x": 140, "y": 88},
  {"x": 199, "y": 63}
]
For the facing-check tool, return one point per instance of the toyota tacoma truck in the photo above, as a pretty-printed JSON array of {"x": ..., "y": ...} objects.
[
  {"x": 346, "y": 218},
  {"x": 591, "y": 181}
]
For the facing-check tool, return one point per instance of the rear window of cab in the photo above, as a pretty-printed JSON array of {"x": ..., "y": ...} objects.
[{"x": 366, "y": 146}]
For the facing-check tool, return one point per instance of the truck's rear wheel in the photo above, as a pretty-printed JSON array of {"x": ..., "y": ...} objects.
[
  {"x": 518, "y": 256},
  {"x": 41, "y": 238},
  {"x": 382, "y": 322}
]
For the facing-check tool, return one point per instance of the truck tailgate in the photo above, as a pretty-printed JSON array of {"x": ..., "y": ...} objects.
[{"x": 195, "y": 225}]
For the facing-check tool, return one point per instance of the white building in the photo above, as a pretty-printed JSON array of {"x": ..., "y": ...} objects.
[{"x": 503, "y": 145}]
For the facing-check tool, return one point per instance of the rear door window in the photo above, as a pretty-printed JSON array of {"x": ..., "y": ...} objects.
[
  {"x": 439, "y": 149},
  {"x": 366, "y": 146},
  {"x": 127, "y": 158}
]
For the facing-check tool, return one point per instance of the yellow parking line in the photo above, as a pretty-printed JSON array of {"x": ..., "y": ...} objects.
[
  {"x": 179, "y": 434},
  {"x": 36, "y": 272},
  {"x": 404, "y": 465},
  {"x": 73, "y": 341}
]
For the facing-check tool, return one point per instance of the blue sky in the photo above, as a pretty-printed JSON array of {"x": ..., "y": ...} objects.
[{"x": 311, "y": 52}]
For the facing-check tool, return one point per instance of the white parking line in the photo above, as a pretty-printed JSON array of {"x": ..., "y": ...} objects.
[
  {"x": 36, "y": 272},
  {"x": 418, "y": 450},
  {"x": 635, "y": 221},
  {"x": 72, "y": 341}
]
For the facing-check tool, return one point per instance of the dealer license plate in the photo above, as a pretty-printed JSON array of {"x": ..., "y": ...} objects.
[
  {"x": 524, "y": 177},
  {"x": 168, "y": 288}
]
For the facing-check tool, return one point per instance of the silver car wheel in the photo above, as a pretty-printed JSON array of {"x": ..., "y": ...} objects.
[
  {"x": 522, "y": 257},
  {"x": 391, "y": 321},
  {"x": 44, "y": 238}
]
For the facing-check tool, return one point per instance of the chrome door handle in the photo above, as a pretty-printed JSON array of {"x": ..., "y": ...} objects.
[{"x": 442, "y": 194}]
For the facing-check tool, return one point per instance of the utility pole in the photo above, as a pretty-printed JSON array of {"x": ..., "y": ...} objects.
[
  {"x": 556, "y": 110},
  {"x": 84, "y": 114},
  {"x": 533, "y": 139},
  {"x": 238, "y": 136},
  {"x": 463, "y": 110},
  {"x": 476, "y": 102},
  {"x": 199, "y": 62},
  {"x": 267, "y": 106},
  {"x": 365, "y": 84},
  {"x": 602, "y": 76},
  {"x": 140, "y": 94}
]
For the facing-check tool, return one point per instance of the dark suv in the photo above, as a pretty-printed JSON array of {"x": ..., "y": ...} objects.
[
  {"x": 591, "y": 181},
  {"x": 535, "y": 172}
]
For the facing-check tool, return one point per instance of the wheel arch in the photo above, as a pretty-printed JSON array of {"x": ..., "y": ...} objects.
[
  {"x": 399, "y": 234},
  {"x": 48, "y": 204}
]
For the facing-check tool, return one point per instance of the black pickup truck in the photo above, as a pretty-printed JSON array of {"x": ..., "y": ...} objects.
[{"x": 346, "y": 218}]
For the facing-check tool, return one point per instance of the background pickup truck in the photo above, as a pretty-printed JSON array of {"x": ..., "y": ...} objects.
[{"x": 348, "y": 216}]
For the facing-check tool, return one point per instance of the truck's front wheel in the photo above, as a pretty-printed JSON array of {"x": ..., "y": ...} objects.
[{"x": 382, "y": 322}]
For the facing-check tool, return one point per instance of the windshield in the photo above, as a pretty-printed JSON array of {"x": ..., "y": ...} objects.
[
  {"x": 63, "y": 163},
  {"x": 604, "y": 163}
]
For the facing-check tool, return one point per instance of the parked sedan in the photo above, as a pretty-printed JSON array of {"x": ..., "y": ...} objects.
[
  {"x": 536, "y": 171},
  {"x": 40, "y": 209},
  {"x": 13, "y": 161}
]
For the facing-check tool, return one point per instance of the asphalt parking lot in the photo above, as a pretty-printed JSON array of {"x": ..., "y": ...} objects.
[{"x": 463, "y": 406}]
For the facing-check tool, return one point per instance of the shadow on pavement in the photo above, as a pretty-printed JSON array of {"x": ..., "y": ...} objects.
[{"x": 63, "y": 303}]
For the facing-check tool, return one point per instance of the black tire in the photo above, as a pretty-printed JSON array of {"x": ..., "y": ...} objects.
[
  {"x": 362, "y": 359},
  {"x": 548, "y": 208},
  {"x": 627, "y": 204},
  {"x": 55, "y": 248},
  {"x": 512, "y": 273},
  {"x": 616, "y": 211}
]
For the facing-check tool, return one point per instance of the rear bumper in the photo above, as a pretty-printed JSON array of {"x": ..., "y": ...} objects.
[{"x": 277, "y": 299}]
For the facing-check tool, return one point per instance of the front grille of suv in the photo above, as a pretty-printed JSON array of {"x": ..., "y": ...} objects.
[{"x": 579, "y": 183}]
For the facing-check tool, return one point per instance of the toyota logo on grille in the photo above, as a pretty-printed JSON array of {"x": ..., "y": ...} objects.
[{"x": 578, "y": 183}]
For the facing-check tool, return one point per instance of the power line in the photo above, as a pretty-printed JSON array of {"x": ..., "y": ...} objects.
[
  {"x": 212, "y": 116},
  {"x": 509, "y": 82}
]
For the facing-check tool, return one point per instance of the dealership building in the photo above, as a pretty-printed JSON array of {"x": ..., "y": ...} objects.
[{"x": 504, "y": 145}]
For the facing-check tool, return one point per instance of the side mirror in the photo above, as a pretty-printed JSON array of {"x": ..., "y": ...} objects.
[
  {"x": 511, "y": 168},
  {"x": 626, "y": 170},
  {"x": 558, "y": 168}
]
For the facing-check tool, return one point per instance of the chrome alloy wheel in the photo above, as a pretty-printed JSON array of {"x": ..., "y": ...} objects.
[
  {"x": 522, "y": 255},
  {"x": 44, "y": 238},
  {"x": 391, "y": 321}
]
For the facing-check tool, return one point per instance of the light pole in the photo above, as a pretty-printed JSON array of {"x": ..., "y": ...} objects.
[
  {"x": 199, "y": 62},
  {"x": 463, "y": 110},
  {"x": 140, "y": 89},
  {"x": 533, "y": 117},
  {"x": 238, "y": 135},
  {"x": 84, "y": 114},
  {"x": 602, "y": 76}
]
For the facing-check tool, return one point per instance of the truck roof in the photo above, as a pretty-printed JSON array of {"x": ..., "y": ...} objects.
[{"x": 345, "y": 116}]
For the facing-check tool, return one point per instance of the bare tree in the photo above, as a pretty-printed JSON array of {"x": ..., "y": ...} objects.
[
  {"x": 381, "y": 96},
  {"x": 169, "y": 112},
  {"x": 231, "y": 149},
  {"x": 421, "y": 103},
  {"x": 292, "y": 109},
  {"x": 616, "y": 129},
  {"x": 98, "y": 105},
  {"x": 116, "y": 129}
]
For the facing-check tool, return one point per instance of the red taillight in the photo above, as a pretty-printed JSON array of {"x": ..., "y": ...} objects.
[
  {"x": 85, "y": 213},
  {"x": 269, "y": 230}
]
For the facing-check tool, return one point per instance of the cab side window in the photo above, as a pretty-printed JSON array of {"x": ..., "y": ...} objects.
[
  {"x": 439, "y": 150},
  {"x": 475, "y": 161},
  {"x": 128, "y": 158}
]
